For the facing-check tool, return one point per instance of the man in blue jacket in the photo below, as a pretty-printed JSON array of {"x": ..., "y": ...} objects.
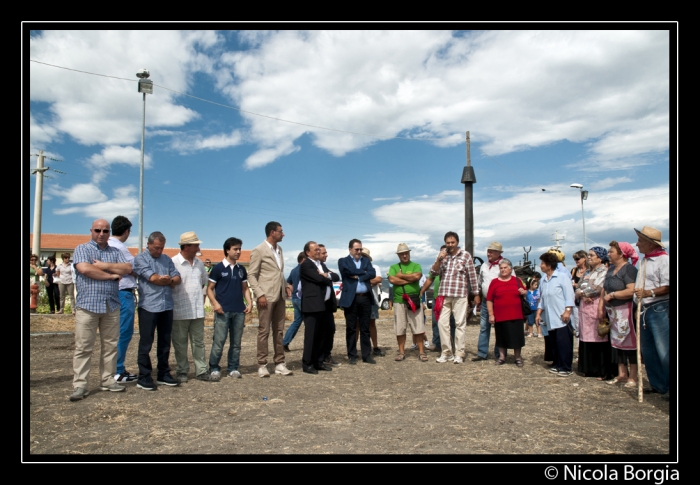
[
  {"x": 356, "y": 300},
  {"x": 293, "y": 284}
]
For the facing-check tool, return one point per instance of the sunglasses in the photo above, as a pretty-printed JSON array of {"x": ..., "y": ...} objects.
[
  {"x": 103, "y": 231},
  {"x": 357, "y": 250}
]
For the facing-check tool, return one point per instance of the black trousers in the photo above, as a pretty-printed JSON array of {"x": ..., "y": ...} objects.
[
  {"x": 315, "y": 324},
  {"x": 149, "y": 322},
  {"x": 54, "y": 297},
  {"x": 327, "y": 346},
  {"x": 563, "y": 348},
  {"x": 361, "y": 309}
]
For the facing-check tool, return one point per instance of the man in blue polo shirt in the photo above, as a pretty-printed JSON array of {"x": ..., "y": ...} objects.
[{"x": 230, "y": 298}]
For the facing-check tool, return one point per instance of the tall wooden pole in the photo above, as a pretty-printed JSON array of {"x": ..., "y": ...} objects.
[{"x": 468, "y": 179}]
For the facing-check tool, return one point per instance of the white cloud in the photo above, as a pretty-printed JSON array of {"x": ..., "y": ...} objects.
[
  {"x": 99, "y": 110},
  {"x": 90, "y": 201},
  {"x": 526, "y": 218},
  {"x": 514, "y": 89},
  {"x": 39, "y": 133},
  {"x": 610, "y": 182},
  {"x": 214, "y": 142},
  {"x": 377, "y": 199}
]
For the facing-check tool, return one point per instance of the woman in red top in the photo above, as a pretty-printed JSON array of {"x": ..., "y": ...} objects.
[{"x": 506, "y": 313}]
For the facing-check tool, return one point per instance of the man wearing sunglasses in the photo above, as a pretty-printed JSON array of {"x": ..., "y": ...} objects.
[{"x": 99, "y": 267}]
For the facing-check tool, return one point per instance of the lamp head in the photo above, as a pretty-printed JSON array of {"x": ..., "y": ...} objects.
[
  {"x": 576, "y": 186},
  {"x": 143, "y": 74}
]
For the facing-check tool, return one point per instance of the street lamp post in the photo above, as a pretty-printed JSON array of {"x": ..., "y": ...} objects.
[
  {"x": 145, "y": 87},
  {"x": 584, "y": 196}
]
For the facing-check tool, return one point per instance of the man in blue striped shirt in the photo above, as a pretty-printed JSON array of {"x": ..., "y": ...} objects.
[
  {"x": 99, "y": 267},
  {"x": 157, "y": 277}
]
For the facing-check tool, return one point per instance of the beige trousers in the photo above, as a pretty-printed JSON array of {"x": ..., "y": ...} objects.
[
  {"x": 271, "y": 318},
  {"x": 86, "y": 326},
  {"x": 458, "y": 306}
]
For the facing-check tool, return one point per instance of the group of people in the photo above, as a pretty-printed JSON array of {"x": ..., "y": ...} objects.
[
  {"x": 58, "y": 280},
  {"x": 172, "y": 291}
]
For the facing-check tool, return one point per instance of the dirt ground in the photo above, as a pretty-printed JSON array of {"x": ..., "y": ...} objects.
[{"x": 391, "y": 408}]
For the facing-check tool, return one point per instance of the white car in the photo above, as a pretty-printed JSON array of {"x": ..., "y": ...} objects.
[{"x": 383, "y": 295}]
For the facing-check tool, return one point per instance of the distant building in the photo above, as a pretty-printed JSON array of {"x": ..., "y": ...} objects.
[{"x": 57, "y": 244}]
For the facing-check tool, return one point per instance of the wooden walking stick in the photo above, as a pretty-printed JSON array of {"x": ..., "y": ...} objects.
[{"x": 640, "y": 375}]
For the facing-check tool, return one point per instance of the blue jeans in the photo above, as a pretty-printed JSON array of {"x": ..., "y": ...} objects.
[
  {"x": 655, "y": 340},
  {"x": 126, "y": 327},
  {"x": 485, "y": 334},
  {"x": 294, "y": 327},
  {"x": 223, "y": 324},
  {"x": 436, "y": 330}
]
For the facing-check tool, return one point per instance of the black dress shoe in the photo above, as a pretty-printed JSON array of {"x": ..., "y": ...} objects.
[
  {"x": 478, "y": 358},
  {"x": 352, "y": 361},
  {"x": 286, "y": 348},
  {"x": 309, "y": 370},
  {"x": 324, "y": 367},
  {"x": 369, "y": 360}
]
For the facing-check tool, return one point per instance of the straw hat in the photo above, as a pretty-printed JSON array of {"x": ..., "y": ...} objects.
[
  {"x": 365, "y": 253},
  {"x": 403, "y": 248},
  {"x": 651, "y": 235},
  {"x": 189, "y": 238},
  {"x": 559, "y": 253},
  {"x": 496, "y": 246}
]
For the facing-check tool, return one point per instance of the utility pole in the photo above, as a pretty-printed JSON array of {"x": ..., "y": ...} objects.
[
  {"x": 468, "y": 179},
  {"x": 38, "y": 194}
]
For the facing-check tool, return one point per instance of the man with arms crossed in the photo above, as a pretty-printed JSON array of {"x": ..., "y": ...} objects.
[
  {"x": 188, "y": 309},
  {"x": 356, "y": 300},
  {"x": 456, "y": 270},
  {"x": 331, "y": 308},
  {"x": 157, "y": 277},
  {"x": 405, "y": 276},
  {"x": 98, "y": 270},
  {"x": 121, "y": 230},
  {"x": 230, "y": 298},
  {"x": 266, "y": 279}
]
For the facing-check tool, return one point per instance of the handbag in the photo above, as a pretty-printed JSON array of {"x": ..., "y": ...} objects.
[
  {"x": 603, "y": 327},
  {"x": 525, "y": 306}
]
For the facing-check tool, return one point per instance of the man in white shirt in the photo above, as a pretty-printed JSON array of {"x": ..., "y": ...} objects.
[
  {"x": 653, "y": 289},
  {"x": 188, "y": 309}
]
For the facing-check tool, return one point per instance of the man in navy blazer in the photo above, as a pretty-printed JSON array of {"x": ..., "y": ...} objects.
[
  {"x": 356, "y": 300},
  {"x": 317, "y": 303}
]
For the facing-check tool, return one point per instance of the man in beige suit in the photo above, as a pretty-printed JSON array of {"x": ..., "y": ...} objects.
[{"x": 266, "y": 280}]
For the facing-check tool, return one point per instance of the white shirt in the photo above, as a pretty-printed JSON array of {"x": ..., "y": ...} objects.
[
  {"x": 320, "y": 271},
  {"x": 188, "y": 296},
  {"x": 657, "y": 269},
  {"x": 276, "y": 252},
  {"x": 127, "y": 282}
]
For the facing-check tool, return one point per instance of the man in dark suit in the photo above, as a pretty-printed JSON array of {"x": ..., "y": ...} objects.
[
  {"x": 317, "y": 303},
  {"x": 356, "y": 300}
]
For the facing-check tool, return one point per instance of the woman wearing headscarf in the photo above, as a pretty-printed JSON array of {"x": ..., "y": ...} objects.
[
  {"x": 556, "y": 304},
  {"x": 594, "y": 351},
  {"x": 616, "y": 302}
]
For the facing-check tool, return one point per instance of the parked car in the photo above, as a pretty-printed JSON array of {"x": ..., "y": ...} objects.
[{"x": 383, "y": 295}]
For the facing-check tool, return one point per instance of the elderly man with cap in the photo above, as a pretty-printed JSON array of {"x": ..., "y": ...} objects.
[
  {"x": 188, "y": 310},
  {"x": 488, "y": 271},
  {"x": 408, "y": 311},
  {"x": 653, "y": 288}
]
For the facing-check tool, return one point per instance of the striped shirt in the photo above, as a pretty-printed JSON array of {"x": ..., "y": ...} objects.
[
  {"x": 154, "y": 298},
  {"x": 455, "y": 272},
  {"x": 97, "y": 296},
  {"x": 188, "y": 296}
]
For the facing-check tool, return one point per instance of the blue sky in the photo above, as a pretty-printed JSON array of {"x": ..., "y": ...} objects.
[{"x": 545, "y": 109}]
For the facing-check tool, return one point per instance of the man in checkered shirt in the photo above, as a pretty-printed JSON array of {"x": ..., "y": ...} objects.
[
  {"x": 99, "y": 267},
  {"x": 457, "y": 277}
]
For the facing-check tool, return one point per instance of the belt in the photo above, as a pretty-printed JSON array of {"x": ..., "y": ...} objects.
[
  {"x": 130, "y": 290},
  {"x": 362, "y": 294}
]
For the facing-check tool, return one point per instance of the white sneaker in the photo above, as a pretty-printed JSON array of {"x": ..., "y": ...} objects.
[
  {"x": 413, "y": 347},
  {"x": 442, "y": 359},
  {"x": 458, "y": 360},
  {"x": 234, "y": 373},
  {"x": 262, "y": 371},
  {"x": 282, "y": 370},
  {"x": 215, "y": 375},
  {"x": 451, "y": 357}
]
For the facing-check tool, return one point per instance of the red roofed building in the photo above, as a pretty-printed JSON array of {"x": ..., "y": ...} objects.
[{"x": 57, "y": 244}]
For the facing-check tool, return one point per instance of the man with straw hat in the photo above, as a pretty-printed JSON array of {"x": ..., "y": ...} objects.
[{"x": 652, "y": 289}]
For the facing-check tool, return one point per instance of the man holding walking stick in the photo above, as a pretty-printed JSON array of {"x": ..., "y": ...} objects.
[{"x": 651, "y": 293}]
